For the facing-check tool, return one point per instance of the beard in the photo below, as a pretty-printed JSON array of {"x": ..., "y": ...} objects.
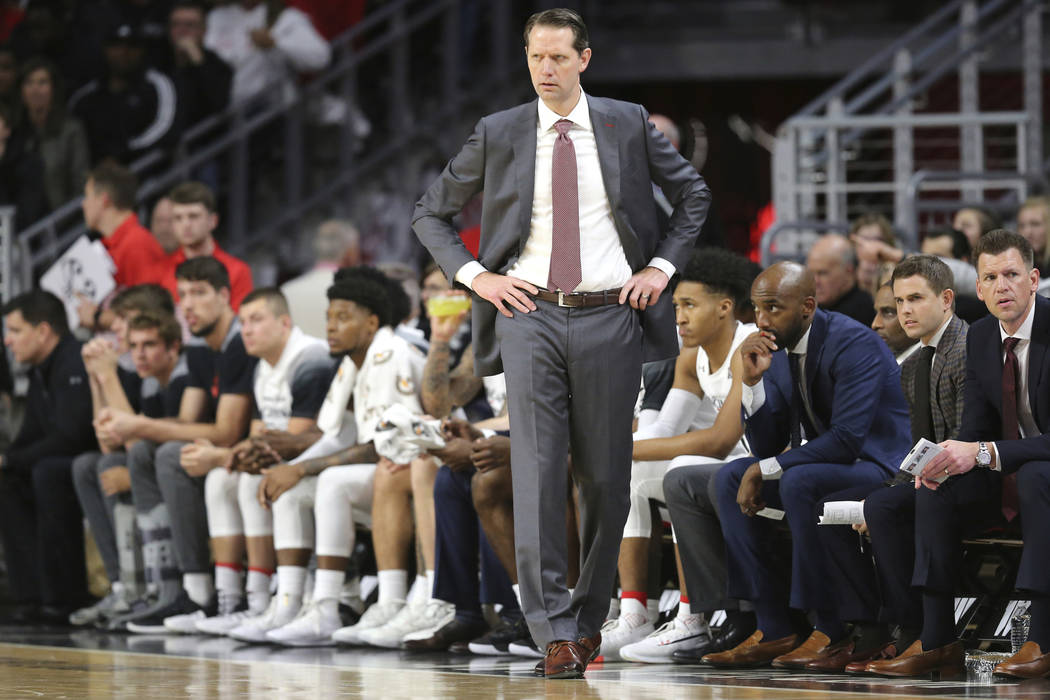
[{"x": 206, "y": 330}]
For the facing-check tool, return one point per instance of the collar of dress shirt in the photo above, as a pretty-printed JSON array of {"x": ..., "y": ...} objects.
[
  {"x": 1025, "y": 331},
  {"x": 580, "y": 115},
  {"x": 936, "y": 339},
  {"x": 908, "y": 353},
  {"x": 803, "y": 343}
]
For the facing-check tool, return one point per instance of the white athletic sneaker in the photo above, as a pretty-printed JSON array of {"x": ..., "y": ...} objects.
[
  {"x": 626, "y": 629},
  {"x": 420, "y": 622},
  {"x": 117, "y": 602},
  {"x": 676, "y": 634},
  {"x": 376, "y": 616},
  {"x": 311, "y": 628},
  {"x": 282, "y": 610},
  {"x": 226, "y": 603},
  {"x": 220, "y": 625}
]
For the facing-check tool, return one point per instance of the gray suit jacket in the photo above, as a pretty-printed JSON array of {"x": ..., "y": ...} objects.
[
  {"x": 499, "y": 158},
  {"x": 947, "y": 379}
]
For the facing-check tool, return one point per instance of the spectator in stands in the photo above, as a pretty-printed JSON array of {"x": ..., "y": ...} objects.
[
  {"x": 131, "y": 108},
  {"x": 974, "y": 222},
  {"x": 8, "y": 77},
  {"x": 102, "y": 479},
  {"x": 873, "y": 227},
  {"x": 161, "y": 226},
  {"x": 969, "y": 486},
  {"x": 40, "y": 520},
  {"x": 202, "y": 79},
  {"x": 334, "y": 241},
  {"x": 108, "y": 206},
  {"x": 1033, "y": 222},
  {"x": 194, "y": 219},
  {"x": 21, "y": 173},
  {"x": 852, "y": 412},
  {"x": 875, "y": 598},
  {"x": 331, "y": 19},
  {"x": 168, "y": 495},
  {"x": 268, "y": 45},
  {"x": 699, "y": 428},
  {"x": 887, "y": 325},
  {"x": 947, "y": 243},
  {"x": 833, "y": 263},
  {"x": 58, "y": 138},
  {"x": 290, "y": 382}
]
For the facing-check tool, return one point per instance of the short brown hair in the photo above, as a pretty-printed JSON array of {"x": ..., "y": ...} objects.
[
  {"x": 193, "y": 193},
  {"x": 141, "y": 298},
  {"x": 999, "y": 241},
  {"x": 561, "y": 17},
  {"x": 168, "y": 328},
  {"x": 117, "y": 181},
  {"x": 931, "y": 268},
  {"x": 273, "y": 297},
  {"x": 875, "y": 219}
]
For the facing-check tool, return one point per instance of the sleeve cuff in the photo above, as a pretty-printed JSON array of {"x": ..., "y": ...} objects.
[
  {"x": 995, "y": 454},
  {"x": 753, "y": 398},
  {"x": 770, "y": 469},
  {"x": 488, "y": 433},
  {"x": 663, "y": 265},
  {"x": 466, "y": 274}
]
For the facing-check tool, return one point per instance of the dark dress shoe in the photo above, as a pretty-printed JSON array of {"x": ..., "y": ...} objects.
[
  {"x": 733, "y": 631},
  {"x": 809, "y": 650},
  {"x": 443, "y": 638},
  {"x": 752, "y": 652},
  {"x": 1028, "y": 662},
  {"x": 565, "y": 660},
  {"x": 860, "y": 667},
  {"x": 55, "y": 615},
  {"x": 591, "y": 645},
  {"x": 839, "y": 657},
  {"x": 943, "y": 662}
]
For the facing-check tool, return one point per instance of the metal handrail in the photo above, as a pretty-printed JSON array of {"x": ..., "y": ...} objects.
[
  {"x": 766, "y": 244},
  {"x": 952, "y": 179}
]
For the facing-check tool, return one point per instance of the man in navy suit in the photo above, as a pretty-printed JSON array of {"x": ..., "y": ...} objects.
[
  {"x": 997, "y": 467},
  {"x": 569, "y": 236},
  {"x": 838, "y": 386}
]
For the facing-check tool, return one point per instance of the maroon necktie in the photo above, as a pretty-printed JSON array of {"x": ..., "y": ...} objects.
[
  {"x": 565, "y": 270},
  {"x": 1010, "y": 426}
]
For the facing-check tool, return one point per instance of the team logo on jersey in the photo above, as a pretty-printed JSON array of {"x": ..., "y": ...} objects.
[
  {"x": 405, "y": 385},
  {"x": 382, "y": 356}
]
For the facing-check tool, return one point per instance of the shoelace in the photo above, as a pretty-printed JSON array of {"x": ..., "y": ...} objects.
[{"x": 227, "y": 603}]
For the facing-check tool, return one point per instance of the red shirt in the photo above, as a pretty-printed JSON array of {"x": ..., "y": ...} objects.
[
  {"x": 240, "y": 274},
  {"x": 137, "y": 255}
]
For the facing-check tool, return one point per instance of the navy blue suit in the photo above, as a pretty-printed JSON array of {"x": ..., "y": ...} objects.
[
  {"x": 853, "y": 383},
  {"x": 971, "y": 502}
]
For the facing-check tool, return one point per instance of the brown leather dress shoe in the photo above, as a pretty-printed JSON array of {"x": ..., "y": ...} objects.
[
  {"x": 752, "y": 652},
  {"x": 808, "y": 651},
  {"x": 943, "y": 662},
  {"x": 860, "y": 667},
  {"x": 837, "y": 657},
  {"x": 591, "y": 645},
  {"x": 1028, "y": 662},
  {"x": 565, "y": 660}
]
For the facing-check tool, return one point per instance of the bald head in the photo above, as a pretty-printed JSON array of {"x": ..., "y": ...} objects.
[
  {"x": 833, "y": 262},
  {"x": 666, "y": 127},
  {"x": 784, "y": 303}
]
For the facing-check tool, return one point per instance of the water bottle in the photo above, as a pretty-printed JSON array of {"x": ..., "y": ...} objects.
[{"x": 1019, "y": 625}]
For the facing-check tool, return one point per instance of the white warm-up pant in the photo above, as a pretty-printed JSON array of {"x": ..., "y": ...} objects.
[
  {"x": 232, "y": 502},
  {"x": 647, "y": 482},
  {"x": 329, "y": 505}
]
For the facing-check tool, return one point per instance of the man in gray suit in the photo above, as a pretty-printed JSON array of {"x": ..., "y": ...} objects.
[{"x": 572, "y": 259}]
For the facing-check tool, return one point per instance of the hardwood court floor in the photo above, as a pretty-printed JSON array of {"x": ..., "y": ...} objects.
[{"x": 55, "y": 664}]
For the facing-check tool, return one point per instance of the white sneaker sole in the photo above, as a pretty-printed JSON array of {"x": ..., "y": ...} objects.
[{"x": 660, "y": 655}]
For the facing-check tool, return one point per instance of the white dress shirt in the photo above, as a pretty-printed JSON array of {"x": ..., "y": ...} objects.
[
  {"x": 603, "y": 262},
  {"x": 1025, "y": 419},
  {"x": 907, "y": 353},
  {"x": 754, "y": 397}
]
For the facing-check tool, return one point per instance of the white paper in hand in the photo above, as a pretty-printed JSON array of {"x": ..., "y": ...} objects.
[
  {"x": 842, "y": 513},
  {"x": 771, "y": 513},
  {"x": 920, "y": 456},
  {"x": 85, "y": 269}
]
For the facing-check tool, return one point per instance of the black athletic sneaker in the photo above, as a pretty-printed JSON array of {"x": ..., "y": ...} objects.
[
  {"x": 153, "y": 621},
  {"x": 496, "y": 642}
]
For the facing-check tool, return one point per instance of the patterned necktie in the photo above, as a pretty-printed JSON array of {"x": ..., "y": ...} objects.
[
  {"x": 565, "y": 270},
  {"x": 1010, "y": 425},
  {"x": 923, "y": 425},
  {"x": 795, "y": 415}
]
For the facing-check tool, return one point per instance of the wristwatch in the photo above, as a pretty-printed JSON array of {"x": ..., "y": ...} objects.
[{"x": 984, "y": 455}]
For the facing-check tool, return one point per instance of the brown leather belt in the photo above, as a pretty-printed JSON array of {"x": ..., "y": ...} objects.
[{"x": 609, "y": 296}]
